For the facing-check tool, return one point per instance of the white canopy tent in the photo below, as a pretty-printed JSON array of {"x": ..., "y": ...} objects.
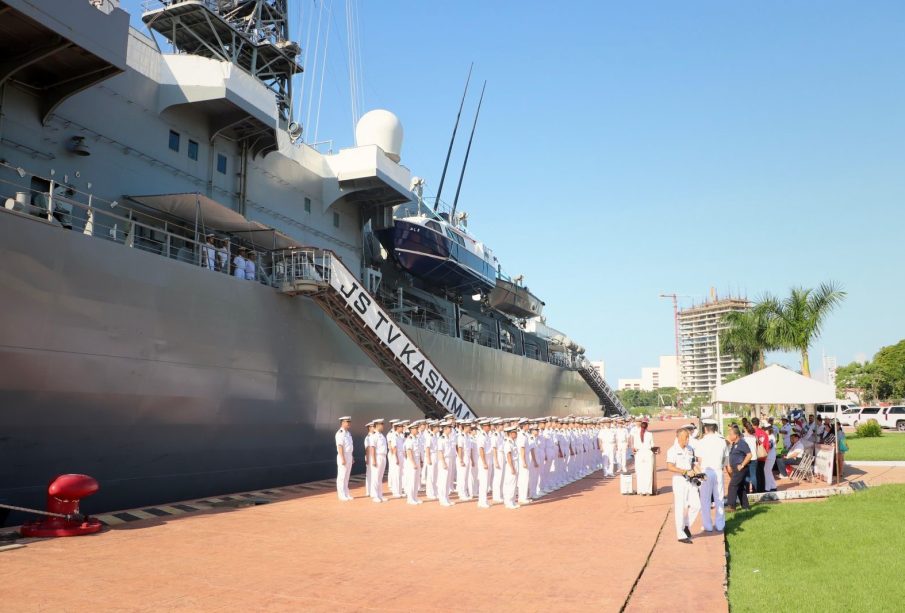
[{"x": 774, "y": 385}]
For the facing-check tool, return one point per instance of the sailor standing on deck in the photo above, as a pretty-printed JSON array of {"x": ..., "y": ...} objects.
[
  {"x": 412, "y": 467},
  {"x": 379, "y": 453},
  {"x": 445, "y": 458},
  {"x": 343, "y": 458},
  {"x": 680, "y": 459},
  {"x": 511, "y": 469},
  {"x": 485, "y": 462}
]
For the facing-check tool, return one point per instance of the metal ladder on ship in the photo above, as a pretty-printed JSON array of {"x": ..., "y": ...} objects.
[
  {"x": 609, "y": 400},
  {"x": 322, "y": 276}
]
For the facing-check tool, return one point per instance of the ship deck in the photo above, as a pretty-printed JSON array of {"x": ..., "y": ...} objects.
[{"x": 583, "y": 547}]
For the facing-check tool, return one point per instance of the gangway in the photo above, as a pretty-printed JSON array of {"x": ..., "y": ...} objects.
[
  {"x": 609, "y": 400},
  {"x": 320, "y": 274}
]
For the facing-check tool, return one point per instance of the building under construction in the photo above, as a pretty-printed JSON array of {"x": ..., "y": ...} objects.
[{"x": 699, "y": 329}]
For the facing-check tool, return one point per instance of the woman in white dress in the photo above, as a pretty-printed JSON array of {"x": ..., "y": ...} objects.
[
  {"x": 642, "y": 445},
  {"x": 769, "y": 480}
]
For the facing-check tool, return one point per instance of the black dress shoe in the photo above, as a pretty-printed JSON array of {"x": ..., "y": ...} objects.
[
  {"x": 686, "y": 541},
  {"x": 687, "y": 532}
]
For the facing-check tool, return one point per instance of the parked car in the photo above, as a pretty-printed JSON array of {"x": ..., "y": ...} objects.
[
  {"x": 893, "y": 417},
  {"x": 831, "y": 409},
  {"x": 849, "y": 416},
  {"x": 866, "y": 414}
]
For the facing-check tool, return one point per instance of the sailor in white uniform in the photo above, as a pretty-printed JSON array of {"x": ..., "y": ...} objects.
[
  {"x": 534, "y": 461},
  {"x": 621, "y": 447},
  {"x": 369, "y": 460},
  {"x": 430, "y": 458},
  {"x": 485, "y": 462},
  {"x": 239, "y": 264},
  {"x": 521, "y": 442},
  {"x": 412, "y": 466},
  {"x": 511, "y": 469},
  {"x": 499, "y": 459},
  {"x": 445, "y": 458},
  {"x": 250, "y": 268},
  {"x": 680, "y": 459},
  {"x": 463, "y": 468},
  {"x": 713, "y": 454},
  {"x": 343, "y": 458},
  {"x": 222, "y": 258},
  {"x": 379, "y": 455},
  {"x": 608, "y": 447},
  {"x": 642, "y": 444},
  {"x": 393, "y": 454},
  {"x": 209, "y": 253}
]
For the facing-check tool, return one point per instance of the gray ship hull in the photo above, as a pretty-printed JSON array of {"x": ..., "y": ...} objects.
[{"x": 166, "y": 381}]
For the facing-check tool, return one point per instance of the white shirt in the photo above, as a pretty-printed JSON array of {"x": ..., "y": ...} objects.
[
  {"x": 786, "y": 435},
  {"x": 680, "y": 458},
  {"x": 223, "y": 257},
  {"x": 411, "y": 446},
  {"x": 712, "y": 451},
  {"x": 210, "y": 256},
  {"x": 249, "y": 270},
  {"x": 239, "y": 263},
  {"x": 345, "y": 439},
  {"x": 647, "y": 443},
  {"x": 796, "y": 451},
  {"x": 379, "y": 442}
]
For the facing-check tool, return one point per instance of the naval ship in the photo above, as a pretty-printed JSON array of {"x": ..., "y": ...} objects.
[{"x": 191, "y": 295}]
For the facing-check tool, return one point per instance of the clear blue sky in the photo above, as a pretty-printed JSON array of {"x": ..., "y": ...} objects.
[{"x": 629, "y": 149}]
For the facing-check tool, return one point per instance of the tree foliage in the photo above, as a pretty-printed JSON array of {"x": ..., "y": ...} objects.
[
  {"x": 882, "y": 378},
  {"x": 640, "y": 398}
]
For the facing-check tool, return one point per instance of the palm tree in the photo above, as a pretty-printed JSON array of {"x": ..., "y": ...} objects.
[
  {"x": 747, "y": 337},
  {"x": 797, "y": 321}
]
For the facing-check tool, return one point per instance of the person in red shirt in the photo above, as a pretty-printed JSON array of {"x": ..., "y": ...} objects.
[{"x": 762, "y": 439}]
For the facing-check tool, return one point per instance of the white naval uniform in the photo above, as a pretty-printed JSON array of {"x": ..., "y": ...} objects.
[
  {"x": 533, "y": 465},
  {"x": 209, "y": 256},
  {"x": 368, "y": 445},
  {"x": 444, "y": 451},
  {"x": 223, "y": 259},
  {"x": 412, "y": 470},
  {"x": 712, "y": 453},
  {"x": 686, "y": 498},
  {"x": 250, "y": 270},
  {"x": 644, "y": 462},
  {"x": 608, "y": 448},
  {"x": 343, "y": 471},
  {"x": 558, "y": 460},
  {"x": 463, "y": 467},
  {"x": 430, "y": 448},
  {"x": 239, "y": 270},
  {"x": 510, "y": 474},
  {"x": 499, "y": 452},
  {"x": 394, "y": 443},
  {"x": 379, "y": 442},
  {"x": 521, "y": 443},
  {"x": 482, "y": 441},
  {"x": 621, "y": 448}
]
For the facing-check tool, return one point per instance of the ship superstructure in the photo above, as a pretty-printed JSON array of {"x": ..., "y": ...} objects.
[{"x": 137, "y": 185}]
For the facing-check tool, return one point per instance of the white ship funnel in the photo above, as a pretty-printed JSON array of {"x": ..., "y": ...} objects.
[{"x": 382, "y": 128}]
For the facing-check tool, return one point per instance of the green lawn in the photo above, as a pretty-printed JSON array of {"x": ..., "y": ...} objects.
[
  {"x": 844, "y": 553},
  {"x": 886, "y": 447}
]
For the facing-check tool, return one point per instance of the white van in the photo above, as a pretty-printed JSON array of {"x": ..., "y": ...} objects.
[{"x": 840, "y": 407}]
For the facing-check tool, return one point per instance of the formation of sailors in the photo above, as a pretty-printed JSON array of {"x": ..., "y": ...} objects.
[{"x": 509, "y": 461}]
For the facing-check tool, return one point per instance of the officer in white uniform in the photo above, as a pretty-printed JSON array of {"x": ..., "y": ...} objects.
[
  {"x": 369, "y": 446},
  {"x": 412, "y": 466},
  {"x": 463, "y": 468},
  {"x": 209, "y": 253},
  {"x": 511, "y": 469},
  {"x": 608, "y": 447},
  {"x": 680, "y": 459},
  {"x": 712, "y": 452},
  {"x": 499, "y": 459},
  {"x": 485, "y": 462},
  {"x": 621, "y": 447},
  {"x": 379, "y": 455},
  {"x": 343, "y": 458},
  {"x": 445, "y": 457},
  {"x": 393, "y": 464},
  {"x": 533, "y": 460},
  {"x": 239, "y": 264},
  {"x": 430, "y": 458},
  {"x": 521, "y": 442}
]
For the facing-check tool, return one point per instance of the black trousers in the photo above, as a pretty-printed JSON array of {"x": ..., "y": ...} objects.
[
  {"x": 761, "y": 476},
  {"x": 737, "y": 489}
]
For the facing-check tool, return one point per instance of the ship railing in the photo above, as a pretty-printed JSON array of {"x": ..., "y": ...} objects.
[
  {"x": 64, "y": 206},
  {"x": 305, "y": 270},
  {"x": 417, "y": 313}
]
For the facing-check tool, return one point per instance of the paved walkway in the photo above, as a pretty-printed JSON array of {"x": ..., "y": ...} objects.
[{"x": 583, "y": 548}]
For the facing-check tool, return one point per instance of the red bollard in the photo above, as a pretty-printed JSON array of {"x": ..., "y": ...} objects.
[{"x": 63, "y": 496}]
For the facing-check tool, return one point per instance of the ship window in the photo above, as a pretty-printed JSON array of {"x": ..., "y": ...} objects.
[
  {"x": 221, "y": 163},
  {"x": 174, "y": 140},
  {"x": 307, "y": 204},
  {"x": 335, "y": 220},
  {"x": 433, "y": 225},
  {"x": 193, "y": 150}
]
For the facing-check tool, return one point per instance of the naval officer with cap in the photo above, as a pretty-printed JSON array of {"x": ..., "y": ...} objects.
[
  {"x": 511, "y": 468},
  {"x": 378, "y": 461},
  {"x": 713, "y": 453},
  {"x": 680, "y": 459},
  {"x": 343, "y": 458}
]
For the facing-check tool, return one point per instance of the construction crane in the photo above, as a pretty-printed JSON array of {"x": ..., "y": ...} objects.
[{"x": 675, "y": 316}]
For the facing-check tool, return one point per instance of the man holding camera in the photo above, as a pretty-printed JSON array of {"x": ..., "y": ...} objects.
[{"x": 680, "y": 459}]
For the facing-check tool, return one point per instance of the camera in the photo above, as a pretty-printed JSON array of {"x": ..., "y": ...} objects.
[{"x": 696, "y": 479}]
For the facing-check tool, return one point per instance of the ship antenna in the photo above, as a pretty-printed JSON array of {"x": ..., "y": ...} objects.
[
  {"x": 452, "y": 215},
  {"x": 453, "y": 139}
]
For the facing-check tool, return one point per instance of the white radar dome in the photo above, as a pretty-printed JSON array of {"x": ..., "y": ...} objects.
[{"x": 381, "y": 128}]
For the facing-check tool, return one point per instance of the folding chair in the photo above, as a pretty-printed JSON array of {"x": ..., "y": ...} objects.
[{"x": 805, "y": 469}]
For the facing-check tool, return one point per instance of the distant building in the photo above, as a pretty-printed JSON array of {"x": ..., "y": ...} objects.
[
  {"x": 654, "y": 378},
  {"x": 829, "y": 369},
  {"x": 699, "y": 328}
]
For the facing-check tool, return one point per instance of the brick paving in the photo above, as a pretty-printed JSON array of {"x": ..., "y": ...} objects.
[{"x": 582, "y": 548}]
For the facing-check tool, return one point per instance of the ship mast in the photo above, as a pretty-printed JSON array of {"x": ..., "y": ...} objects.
[{"x": 253, "y": 34}]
